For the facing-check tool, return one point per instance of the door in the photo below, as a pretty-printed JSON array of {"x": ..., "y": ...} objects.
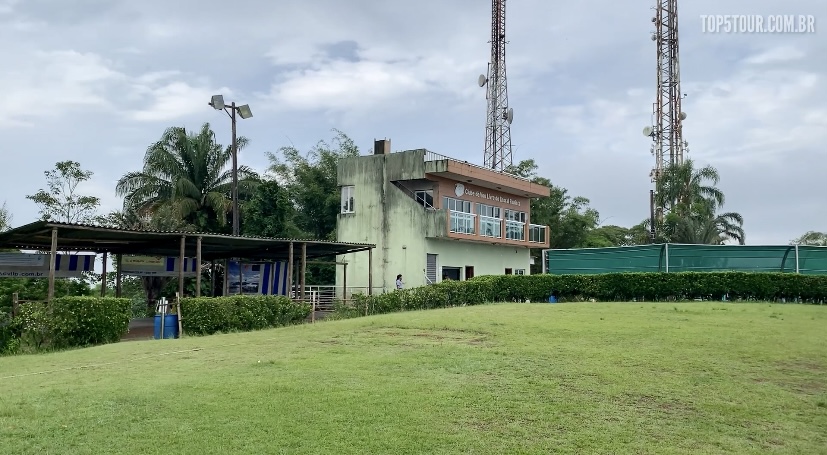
[
  {"x": 469, "y": 272},
  {"x": 430, "y": 268}
]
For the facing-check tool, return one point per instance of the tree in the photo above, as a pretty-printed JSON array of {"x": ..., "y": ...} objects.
[
  {"x": 311, "y": 182},
  {"x": 691, "y": 202},
  {"x": 61, "y": 202},
  {"x": 812, "y": 238},
  {"x": 269, "y": 213},
  {"x": 5, "y": 218},
  {"x": 608, "y": 236},
  {"x": 569, "y": 218},
  {"x": 189, "y": 173}
]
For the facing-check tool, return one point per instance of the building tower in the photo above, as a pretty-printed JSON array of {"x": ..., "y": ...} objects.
[
  {"x": 667, "y": 117},
  {"x": 500, "y": 116}
]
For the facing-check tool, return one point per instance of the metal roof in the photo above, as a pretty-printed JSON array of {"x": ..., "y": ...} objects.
[{"x": 87, "y": 237}]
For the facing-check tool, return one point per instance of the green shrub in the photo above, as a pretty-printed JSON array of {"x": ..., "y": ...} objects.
[
  {"x": 88, "y": 321},
  {"x": 66, "y": 322},
  {"x": 603, "y": 287},
  {"x": 208, "y": 315}
]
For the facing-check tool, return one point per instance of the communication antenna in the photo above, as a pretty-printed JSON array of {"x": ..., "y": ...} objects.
[
  {"x": 667, "y": 117},
  {"x": 499, "y": 117}
]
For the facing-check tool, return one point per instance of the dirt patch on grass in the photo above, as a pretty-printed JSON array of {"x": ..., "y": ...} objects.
[{"x": 405, "y": 336}]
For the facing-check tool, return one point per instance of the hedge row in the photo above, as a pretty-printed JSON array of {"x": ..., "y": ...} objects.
[
  {"x": 208, "y": 315},
  {"x": 66, "y": 322},
  {"x": 603, "y": 287}
]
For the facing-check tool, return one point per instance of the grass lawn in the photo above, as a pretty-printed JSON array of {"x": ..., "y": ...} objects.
[{"x": 500, "y": 379}]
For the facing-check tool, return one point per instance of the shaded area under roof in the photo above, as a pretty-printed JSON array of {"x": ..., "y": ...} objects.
[{"x": 85, "y": 237}]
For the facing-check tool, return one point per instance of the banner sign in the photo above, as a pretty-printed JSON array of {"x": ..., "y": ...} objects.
[
  {"x": 28, "y": 265},
  {"x": 156, "y": 266},
  {"x": 257, "y": 278}
]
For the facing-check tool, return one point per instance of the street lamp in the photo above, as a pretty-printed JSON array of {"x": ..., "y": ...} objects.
[{"x": 217, "y": 102}]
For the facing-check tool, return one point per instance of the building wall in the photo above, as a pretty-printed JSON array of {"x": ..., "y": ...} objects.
[
  {"x": 486, "y": 259},
  {"x": 387, "y": 217}
]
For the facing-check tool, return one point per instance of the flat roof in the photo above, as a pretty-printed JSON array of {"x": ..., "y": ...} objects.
[{"x": 87, "y": 237}]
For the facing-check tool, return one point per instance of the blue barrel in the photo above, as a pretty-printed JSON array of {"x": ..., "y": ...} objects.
[
  {"x": 170, "y": 326},
  {"x": 552, "y": 299}
]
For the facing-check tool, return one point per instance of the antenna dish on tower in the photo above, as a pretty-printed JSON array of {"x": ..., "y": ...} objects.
[
  {"x": 647, "y": 131},
  {"x": 683, "y": 115},
  {"x": 482, "y": 80}
]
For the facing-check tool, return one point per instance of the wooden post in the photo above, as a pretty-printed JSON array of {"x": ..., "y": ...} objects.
[
  {"x": 290, "y": 271},
  {"x": 213, "y": 274},
  {"x": 15, "y": 304},
  {"x": 344, "y": 283},
  {"x": 118, "y": 284},
  {"x": 181, "y": 266},
  {"x": 370, "y": 271},
  {"x": 304, "y": 269},
  {"x": 103, "y": 274},
  {"x": 52, "y": 263},
  {"x": 197, "y": 268},
  {"x": 225, "y": 291}
]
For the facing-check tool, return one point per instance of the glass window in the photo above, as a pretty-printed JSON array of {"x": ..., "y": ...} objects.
[{"x": 348, "y": 199}]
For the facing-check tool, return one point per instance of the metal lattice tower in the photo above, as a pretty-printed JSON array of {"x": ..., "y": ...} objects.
[
  {"x": 499, "y": 117},
  {"x": 667, "y": 128}
]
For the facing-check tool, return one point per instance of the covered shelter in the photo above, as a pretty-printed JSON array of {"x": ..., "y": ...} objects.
[{"x": 56, "y": 236}]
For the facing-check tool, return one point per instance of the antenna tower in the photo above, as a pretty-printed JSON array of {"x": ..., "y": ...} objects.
[
  {"x": 667, "y": 117},
  {"x": 499, "y": 117}
]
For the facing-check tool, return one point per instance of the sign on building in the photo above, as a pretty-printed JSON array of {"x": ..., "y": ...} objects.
[
  {"x": 36, "y": 265},
  {"x": 156, "y": 266},
  {"x": 257, "y": 278}
]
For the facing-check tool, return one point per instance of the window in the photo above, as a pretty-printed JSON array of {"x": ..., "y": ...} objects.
[
  {"x": 514, "y": 225},
  {"x": 536, "y": 233},
  {"x": 347, "y": 199},
  {"x": 519, "y": 272},
  {"x": 456, "y": 205},
  {"x": 490, "y": 220},
  {"x": 425, "y": 198},
  {"x": 462, "y": 219}
]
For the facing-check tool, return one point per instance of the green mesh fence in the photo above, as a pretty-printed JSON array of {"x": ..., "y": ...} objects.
[{"x": 689, "y": 258}]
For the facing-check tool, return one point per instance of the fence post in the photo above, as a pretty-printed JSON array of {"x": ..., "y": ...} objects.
[
  {"x": 15, "y": 304},
  {"x": 797, "y": 269},
  {"x": 666, "y": 255}
]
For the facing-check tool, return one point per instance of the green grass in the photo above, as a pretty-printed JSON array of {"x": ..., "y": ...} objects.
[{"x": 501, "y": 379}]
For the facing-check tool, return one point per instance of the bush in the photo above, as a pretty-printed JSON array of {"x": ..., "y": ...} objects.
[
  {"x": 66, "y": 322},
  {"x": 603, "y": 287},
  {"x": 88, "y": 321},
  {"x": 208, "y": 315}
]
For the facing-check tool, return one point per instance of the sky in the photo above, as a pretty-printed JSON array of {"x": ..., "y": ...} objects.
[{"x": 97, "y": 81}]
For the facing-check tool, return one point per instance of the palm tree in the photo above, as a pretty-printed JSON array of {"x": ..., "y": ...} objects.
[
  {"x": 190, "y": 173},
  {"x": 691, "y": 201},
  {"x": 682, "y": 188},
  {"x": 704, "y": 230}
]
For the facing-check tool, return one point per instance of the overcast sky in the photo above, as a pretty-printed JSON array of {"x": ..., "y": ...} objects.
[{"x": 97, "y": 81}]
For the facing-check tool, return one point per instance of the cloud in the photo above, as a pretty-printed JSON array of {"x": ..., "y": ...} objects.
[{"x": 111, "y": 75}]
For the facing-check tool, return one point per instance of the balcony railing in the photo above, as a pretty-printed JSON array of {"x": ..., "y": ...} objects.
[
  {"x": 463, "y": 223},
  {"x": 431, "y": 156},
  {"x": 514, "y": 230},
  {"x": 537, "y": 233},
  {"x": 491, "y": 227}
]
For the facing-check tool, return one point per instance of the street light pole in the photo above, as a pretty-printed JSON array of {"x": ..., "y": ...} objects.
[
  {"x": 235, "y": 173},
  {"x": 217, "y": 102}
]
